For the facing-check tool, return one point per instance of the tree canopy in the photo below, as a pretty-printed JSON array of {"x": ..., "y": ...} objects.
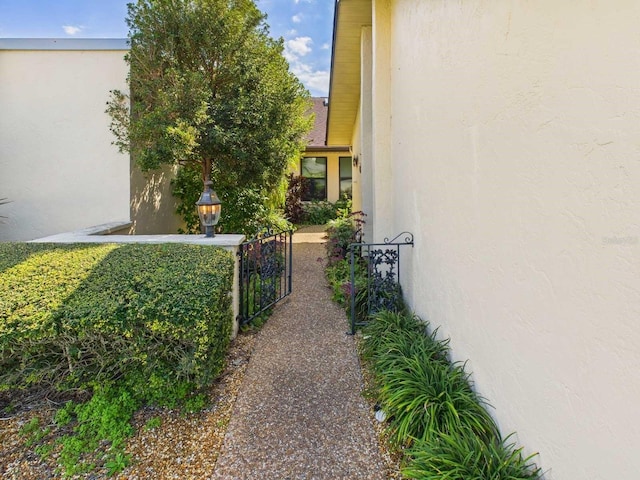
[{"x": 211, "y": 91}]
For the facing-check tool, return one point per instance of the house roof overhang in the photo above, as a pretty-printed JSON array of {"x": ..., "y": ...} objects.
[{"x": 344, "y": 88}]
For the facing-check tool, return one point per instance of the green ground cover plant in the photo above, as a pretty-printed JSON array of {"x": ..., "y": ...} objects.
[
  {"x": 434, "y": 416},
  {"x": 319, "y": 212},
  {"x": 465, "y": 456},
  {"x": 128, "y": 324},
  {"x": 435, "y": 420}
]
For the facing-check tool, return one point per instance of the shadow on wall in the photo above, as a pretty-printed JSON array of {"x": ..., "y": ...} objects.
[{"x": 152, "y": 206}]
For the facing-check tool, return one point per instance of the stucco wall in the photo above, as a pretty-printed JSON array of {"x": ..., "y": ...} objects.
[
  {"x": 57, "y": 164},
  {"x": 152, "y": 204},
  {"x": 516, "y": 164}
]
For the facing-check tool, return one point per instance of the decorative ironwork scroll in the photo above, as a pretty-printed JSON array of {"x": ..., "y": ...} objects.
[
  {"x": 265, "y": 273},
  {"x": 375, "y": 277}
]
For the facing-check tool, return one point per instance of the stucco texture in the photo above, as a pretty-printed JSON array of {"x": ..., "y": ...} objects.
[
  {"x": 515, "y": 154},
  {"x": 57, "y": 165}
]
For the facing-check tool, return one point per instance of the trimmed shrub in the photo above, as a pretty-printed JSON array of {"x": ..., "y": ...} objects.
[
  {"x": 319, "y": 212},
  {"x": 154, "y": 317}
]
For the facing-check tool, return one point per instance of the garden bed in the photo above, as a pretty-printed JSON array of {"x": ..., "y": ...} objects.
[{"x": 97, "y": 331}]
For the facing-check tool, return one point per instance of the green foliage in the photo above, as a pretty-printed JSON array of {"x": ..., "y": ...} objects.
[
  {"x": 297, "y": 188},
  {"x": 65, "y": 415},
  {"x": 344, "y": 207},
  {"x": 153, "y": 423},
  {"x": 105, "y": 417},
  {"x": 187, "y": 187},
  {"x": 129, "y": 323},
  {"x": 339, "y": 276},
  {"x": 117, "y": 463},
  {"x": 319, "y": 212},
  {"x": 426, "y": 398},
  {"x": 419, "y": 389},
  {"x": 341, "y": 233},
  {"x": 394, "y": 336},
  {"x": 465, "y": 456},
  {"x": 434, "y": 414},
  {"x": 243, "y": 210},
  {"x": 155, "y": 316},
  {"x": 211, "y": 90}
]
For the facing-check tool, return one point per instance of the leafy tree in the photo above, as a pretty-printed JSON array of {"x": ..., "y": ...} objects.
[{"x": 211, "y": 91}]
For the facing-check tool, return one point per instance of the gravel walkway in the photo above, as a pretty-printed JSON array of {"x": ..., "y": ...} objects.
[{"x": 299, "y": 412}]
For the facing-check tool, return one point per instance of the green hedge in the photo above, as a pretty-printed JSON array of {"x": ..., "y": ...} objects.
[{"x": 156, "y": 317}]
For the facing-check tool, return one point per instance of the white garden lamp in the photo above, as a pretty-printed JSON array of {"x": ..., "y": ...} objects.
[{"x": 209, "y": 206}]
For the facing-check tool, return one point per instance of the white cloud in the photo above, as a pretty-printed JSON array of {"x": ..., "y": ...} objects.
[
  {"x": 71, "y": 29},
  {"x": 325, "y": 46},
  {"x": 297, "y": 18},
  {"x": 298, "y": 47},
  {"x": 317, "y": 81}
]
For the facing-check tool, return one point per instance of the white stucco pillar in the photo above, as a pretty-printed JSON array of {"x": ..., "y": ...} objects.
[
  {"x": 365, "y": 140},
  {"x": 382, "y": 215}
]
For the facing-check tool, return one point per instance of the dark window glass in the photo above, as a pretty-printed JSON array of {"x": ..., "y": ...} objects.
[
  {"x": 314, "y": 169},
  {"x": 345, "y": 176}
]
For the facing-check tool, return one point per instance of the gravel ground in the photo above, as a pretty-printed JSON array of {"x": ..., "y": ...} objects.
[
  {"x": 183, "y": 446},
  {"x": 299, "y": 415}
]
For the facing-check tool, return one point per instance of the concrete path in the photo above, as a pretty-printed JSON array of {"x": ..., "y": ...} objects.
[{"x": 299, "y": 413}]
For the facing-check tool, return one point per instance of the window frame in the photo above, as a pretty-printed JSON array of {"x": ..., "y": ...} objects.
[
  {"x": 311, "y": 179},
  {"x": 341, "y": 178}
]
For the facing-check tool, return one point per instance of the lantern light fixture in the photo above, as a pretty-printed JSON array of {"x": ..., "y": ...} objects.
[{"x": 209, "y": 207}]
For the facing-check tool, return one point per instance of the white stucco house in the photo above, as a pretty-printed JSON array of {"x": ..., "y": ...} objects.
[
  {"x": 58, "y": 166},
  {"x": 506, "y": 137}
]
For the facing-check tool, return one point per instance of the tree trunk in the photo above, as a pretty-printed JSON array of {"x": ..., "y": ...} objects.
[{"x": 206, "y": 170}]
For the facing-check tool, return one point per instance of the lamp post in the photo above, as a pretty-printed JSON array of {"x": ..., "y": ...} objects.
[{"x": 209, "y": 207}]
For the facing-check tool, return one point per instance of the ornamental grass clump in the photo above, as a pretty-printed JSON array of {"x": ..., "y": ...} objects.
[
  {"x": 466, "y": 456},
  {"x": 425, "y": 398},
  {"x": 400, "y": 334},
  {"x": 434, "y": 416}
]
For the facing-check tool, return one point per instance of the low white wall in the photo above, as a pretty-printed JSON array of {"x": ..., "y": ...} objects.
[
  {"x": 516, "y": 157},
  {"x": 57, "y": 164},
  {"x": 102, "y": 234}
]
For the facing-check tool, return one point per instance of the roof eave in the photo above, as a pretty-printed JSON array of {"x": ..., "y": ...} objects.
[{"x": 344, "y": 84}]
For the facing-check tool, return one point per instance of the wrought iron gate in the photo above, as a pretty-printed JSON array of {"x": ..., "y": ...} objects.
[
  {"x": 375, "y": 278},
  {"x": 265, "y": 273}
]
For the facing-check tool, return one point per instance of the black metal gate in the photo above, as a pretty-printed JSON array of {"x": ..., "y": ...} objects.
[
  {"x": 265, "y": 273},
  {"x": 375, "y": 278}
]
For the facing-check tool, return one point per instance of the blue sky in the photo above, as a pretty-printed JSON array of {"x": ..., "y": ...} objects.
[{"x": 305, "y": 25}]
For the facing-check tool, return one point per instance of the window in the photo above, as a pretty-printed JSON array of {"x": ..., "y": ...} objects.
[
  {"x": 345, "y": 177},
  {"x": 314, "y": 169}
]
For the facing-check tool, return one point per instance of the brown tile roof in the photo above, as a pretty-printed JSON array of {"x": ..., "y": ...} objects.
[{"x": 317, "y": 135}]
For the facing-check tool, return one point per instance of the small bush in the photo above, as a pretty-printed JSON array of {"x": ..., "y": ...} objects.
[
  {"x": 395, "y": 335},
  {"x": 298, "y": 186},
  {"x": 425, "y": 398},
  {"x": 342, "y": 232},
  {"x": 319, "y": 212}
]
